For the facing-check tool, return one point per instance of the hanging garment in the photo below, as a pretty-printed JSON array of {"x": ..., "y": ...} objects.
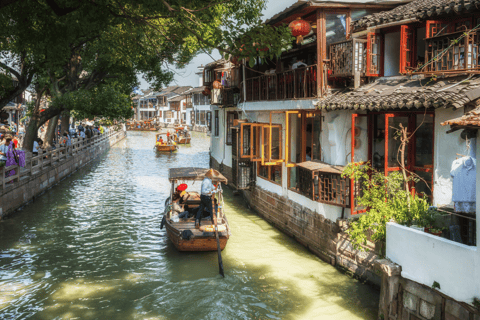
[{"x": 464, "y": 175}]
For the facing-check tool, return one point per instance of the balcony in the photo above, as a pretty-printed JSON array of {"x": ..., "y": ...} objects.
[
  {"x": 225, "y": 97},
  {"x": 348, "y": 57},
  {"x": 324, "y": 183},
  {"x": 446, "y": 54},
  {"x": 300, "y": 83}
]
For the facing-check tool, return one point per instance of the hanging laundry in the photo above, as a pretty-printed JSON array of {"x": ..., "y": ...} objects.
[{"x": 464, "y": 175}]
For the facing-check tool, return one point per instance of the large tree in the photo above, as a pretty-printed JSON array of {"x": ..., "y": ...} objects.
[{"x": 79, "y": 48}]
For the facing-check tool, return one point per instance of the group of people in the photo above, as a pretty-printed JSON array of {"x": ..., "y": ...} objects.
[
  {"x": 180, "y": 209},
  {"x": 170, "y": 140}
]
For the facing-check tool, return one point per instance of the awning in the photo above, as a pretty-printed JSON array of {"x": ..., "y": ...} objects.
[
  {"x": 471, "y": 120},
  {"x": 406, "y": 93}
]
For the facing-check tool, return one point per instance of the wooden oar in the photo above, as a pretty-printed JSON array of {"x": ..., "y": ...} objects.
[{"x": 220, "y": 262}]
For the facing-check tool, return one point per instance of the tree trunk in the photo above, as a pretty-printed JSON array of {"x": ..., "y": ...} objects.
[
  {"x": 31, "y": 130},
  {"x": 65, "y": 126},
  {"x": 51, "y": 131}
]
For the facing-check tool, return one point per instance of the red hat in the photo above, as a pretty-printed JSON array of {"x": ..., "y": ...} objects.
[{"x": 182, "y": 187}]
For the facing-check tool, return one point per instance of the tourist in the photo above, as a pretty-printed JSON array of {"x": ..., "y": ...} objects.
[
  {"x": 36, "y": 145},
  {"x": 3, "y": 152},
  {"x": 82, "y": 134},
  {"x": 67, "y": 141},
  {"x": 206, "y": 197},
  {"x": 101, "y": 129},
  {"x": 21, "y": 133}
]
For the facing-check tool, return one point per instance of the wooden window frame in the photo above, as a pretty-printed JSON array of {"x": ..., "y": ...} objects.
[
  {"x": 411, "y": 148},
  {"x": 408, "y": 48},
  {"x": 217, "y": 124},
  {"x": 270, "y": 177},
  {"x": 258, "y": 135},
  {"x": 288, "y": 143},
  {"x": 379, "y": 40},
  {"x": 231, "y": 115}
]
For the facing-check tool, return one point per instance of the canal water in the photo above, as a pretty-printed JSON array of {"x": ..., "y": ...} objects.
[{"x": 91, "y": 248}]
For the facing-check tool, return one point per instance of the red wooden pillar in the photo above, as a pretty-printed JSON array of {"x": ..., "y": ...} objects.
[{"x": 321, "y": 47}]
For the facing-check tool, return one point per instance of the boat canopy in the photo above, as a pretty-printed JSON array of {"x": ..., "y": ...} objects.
[{"x": 191, "y": 173}]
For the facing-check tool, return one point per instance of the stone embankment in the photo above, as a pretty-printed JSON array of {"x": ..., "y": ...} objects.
[{"x": 48, "y": 168}]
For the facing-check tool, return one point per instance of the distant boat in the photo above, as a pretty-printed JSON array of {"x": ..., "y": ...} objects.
[
  {"x": 146, "y": 125},
  {"x": 164, "y": 144},
  {"x": 182, "y": 232}
]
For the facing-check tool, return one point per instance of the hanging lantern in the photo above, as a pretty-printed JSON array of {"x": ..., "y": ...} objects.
[
  {"x": 299, "y": 29},
  {"x": 206, "y": 92},
  {"x": 217, "y": 84}
]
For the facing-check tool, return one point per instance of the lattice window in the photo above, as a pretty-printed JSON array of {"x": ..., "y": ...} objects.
[
  {"x": 375, "y": 50},
  {"x": 341, "y": 56},
  {"x": 407, "y": 48},
  {"x": 331, "y": 189}
]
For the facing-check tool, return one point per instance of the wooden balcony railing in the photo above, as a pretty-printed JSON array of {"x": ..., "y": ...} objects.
[
  {"x": 300, "y": 83},
  {"x": 324, "y": 183},
  {"x": 48, "y": 158},
  {"x": 447, "y": 54}
]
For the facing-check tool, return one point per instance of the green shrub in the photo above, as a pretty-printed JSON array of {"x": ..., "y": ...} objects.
[{"x": 385, "y": 199}]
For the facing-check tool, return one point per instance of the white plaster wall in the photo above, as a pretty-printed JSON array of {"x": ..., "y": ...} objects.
[
  {"x": 337, "y": 136},
  {"x": 446, "y": 147},
  {"x": 426, "y": 258},
  {"x": 392, "y": 54},
  {"x": 218, "y": 149}
]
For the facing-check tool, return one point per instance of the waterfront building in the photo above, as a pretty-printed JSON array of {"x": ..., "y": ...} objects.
[
  {"x": 171, "y": 111},
  {"x": 284, "y": 130}
]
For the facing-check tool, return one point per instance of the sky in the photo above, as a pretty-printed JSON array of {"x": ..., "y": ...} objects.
[{"x": 187, "y": 76}]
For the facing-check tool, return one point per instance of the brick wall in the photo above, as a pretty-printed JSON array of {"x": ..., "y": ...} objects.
[{"x": 20, "y": 193}]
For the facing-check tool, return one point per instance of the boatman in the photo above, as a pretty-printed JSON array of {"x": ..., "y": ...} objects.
[{"x": 206, "y": 197}]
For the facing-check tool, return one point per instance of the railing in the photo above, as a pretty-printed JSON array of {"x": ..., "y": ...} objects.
[
  {"x": 299, "y": 83},
  {"x": 348, "y": 56},
  {"x": 35, "y": 164},
  {"x": 447, "y": 54}
]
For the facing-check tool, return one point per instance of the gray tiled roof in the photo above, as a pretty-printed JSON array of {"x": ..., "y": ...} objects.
[
  {"x": 418, "y": 9},
  {"x": 469, "y": 120},
  {"x": 406, "y": 93}
]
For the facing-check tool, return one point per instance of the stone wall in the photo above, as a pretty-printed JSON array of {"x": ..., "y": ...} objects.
[
  {"x": 404, "y": 299},
  {"x": 31, "y": 185},
  {"x": 225, "y": 170}
]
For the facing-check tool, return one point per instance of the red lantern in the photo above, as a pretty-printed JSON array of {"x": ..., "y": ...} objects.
[
  {"x": 217, "y": 84},
  {"x": 206, "y": 92},
  {"x": 299, "y": 28}
]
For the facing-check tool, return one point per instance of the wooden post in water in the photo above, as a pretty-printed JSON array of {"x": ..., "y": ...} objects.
[{"x": 220, "y": 262}]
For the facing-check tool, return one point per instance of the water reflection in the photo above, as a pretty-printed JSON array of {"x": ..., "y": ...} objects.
[{"x": 91, "y": 248}]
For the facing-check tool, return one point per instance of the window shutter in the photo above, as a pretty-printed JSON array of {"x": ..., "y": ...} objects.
[
  {"x": 375, "y": 50},
  {"x": 407, "y": 49}
]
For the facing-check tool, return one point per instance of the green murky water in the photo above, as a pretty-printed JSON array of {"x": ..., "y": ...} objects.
[{"x": 91, "y": 248}]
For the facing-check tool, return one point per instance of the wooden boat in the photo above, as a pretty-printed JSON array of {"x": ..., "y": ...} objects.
[
  {"x": 167, "y": 146},
  {"x": 142, "y": 126},
  {"x": 182, "y": 138},
  {"x": 182, "y": 232}
]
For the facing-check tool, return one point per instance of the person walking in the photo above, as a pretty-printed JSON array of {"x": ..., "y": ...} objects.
[{"x": 206, "y": 197}]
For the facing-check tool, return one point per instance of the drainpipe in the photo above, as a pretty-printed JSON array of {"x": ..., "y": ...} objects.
[{"x": 244, "y": 83}]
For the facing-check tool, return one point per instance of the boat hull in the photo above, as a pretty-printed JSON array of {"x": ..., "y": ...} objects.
[
  {"x": 184, "y": 140},
  {"x": 166, "y": 148},
  {"x": 202, "y": 241}
]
